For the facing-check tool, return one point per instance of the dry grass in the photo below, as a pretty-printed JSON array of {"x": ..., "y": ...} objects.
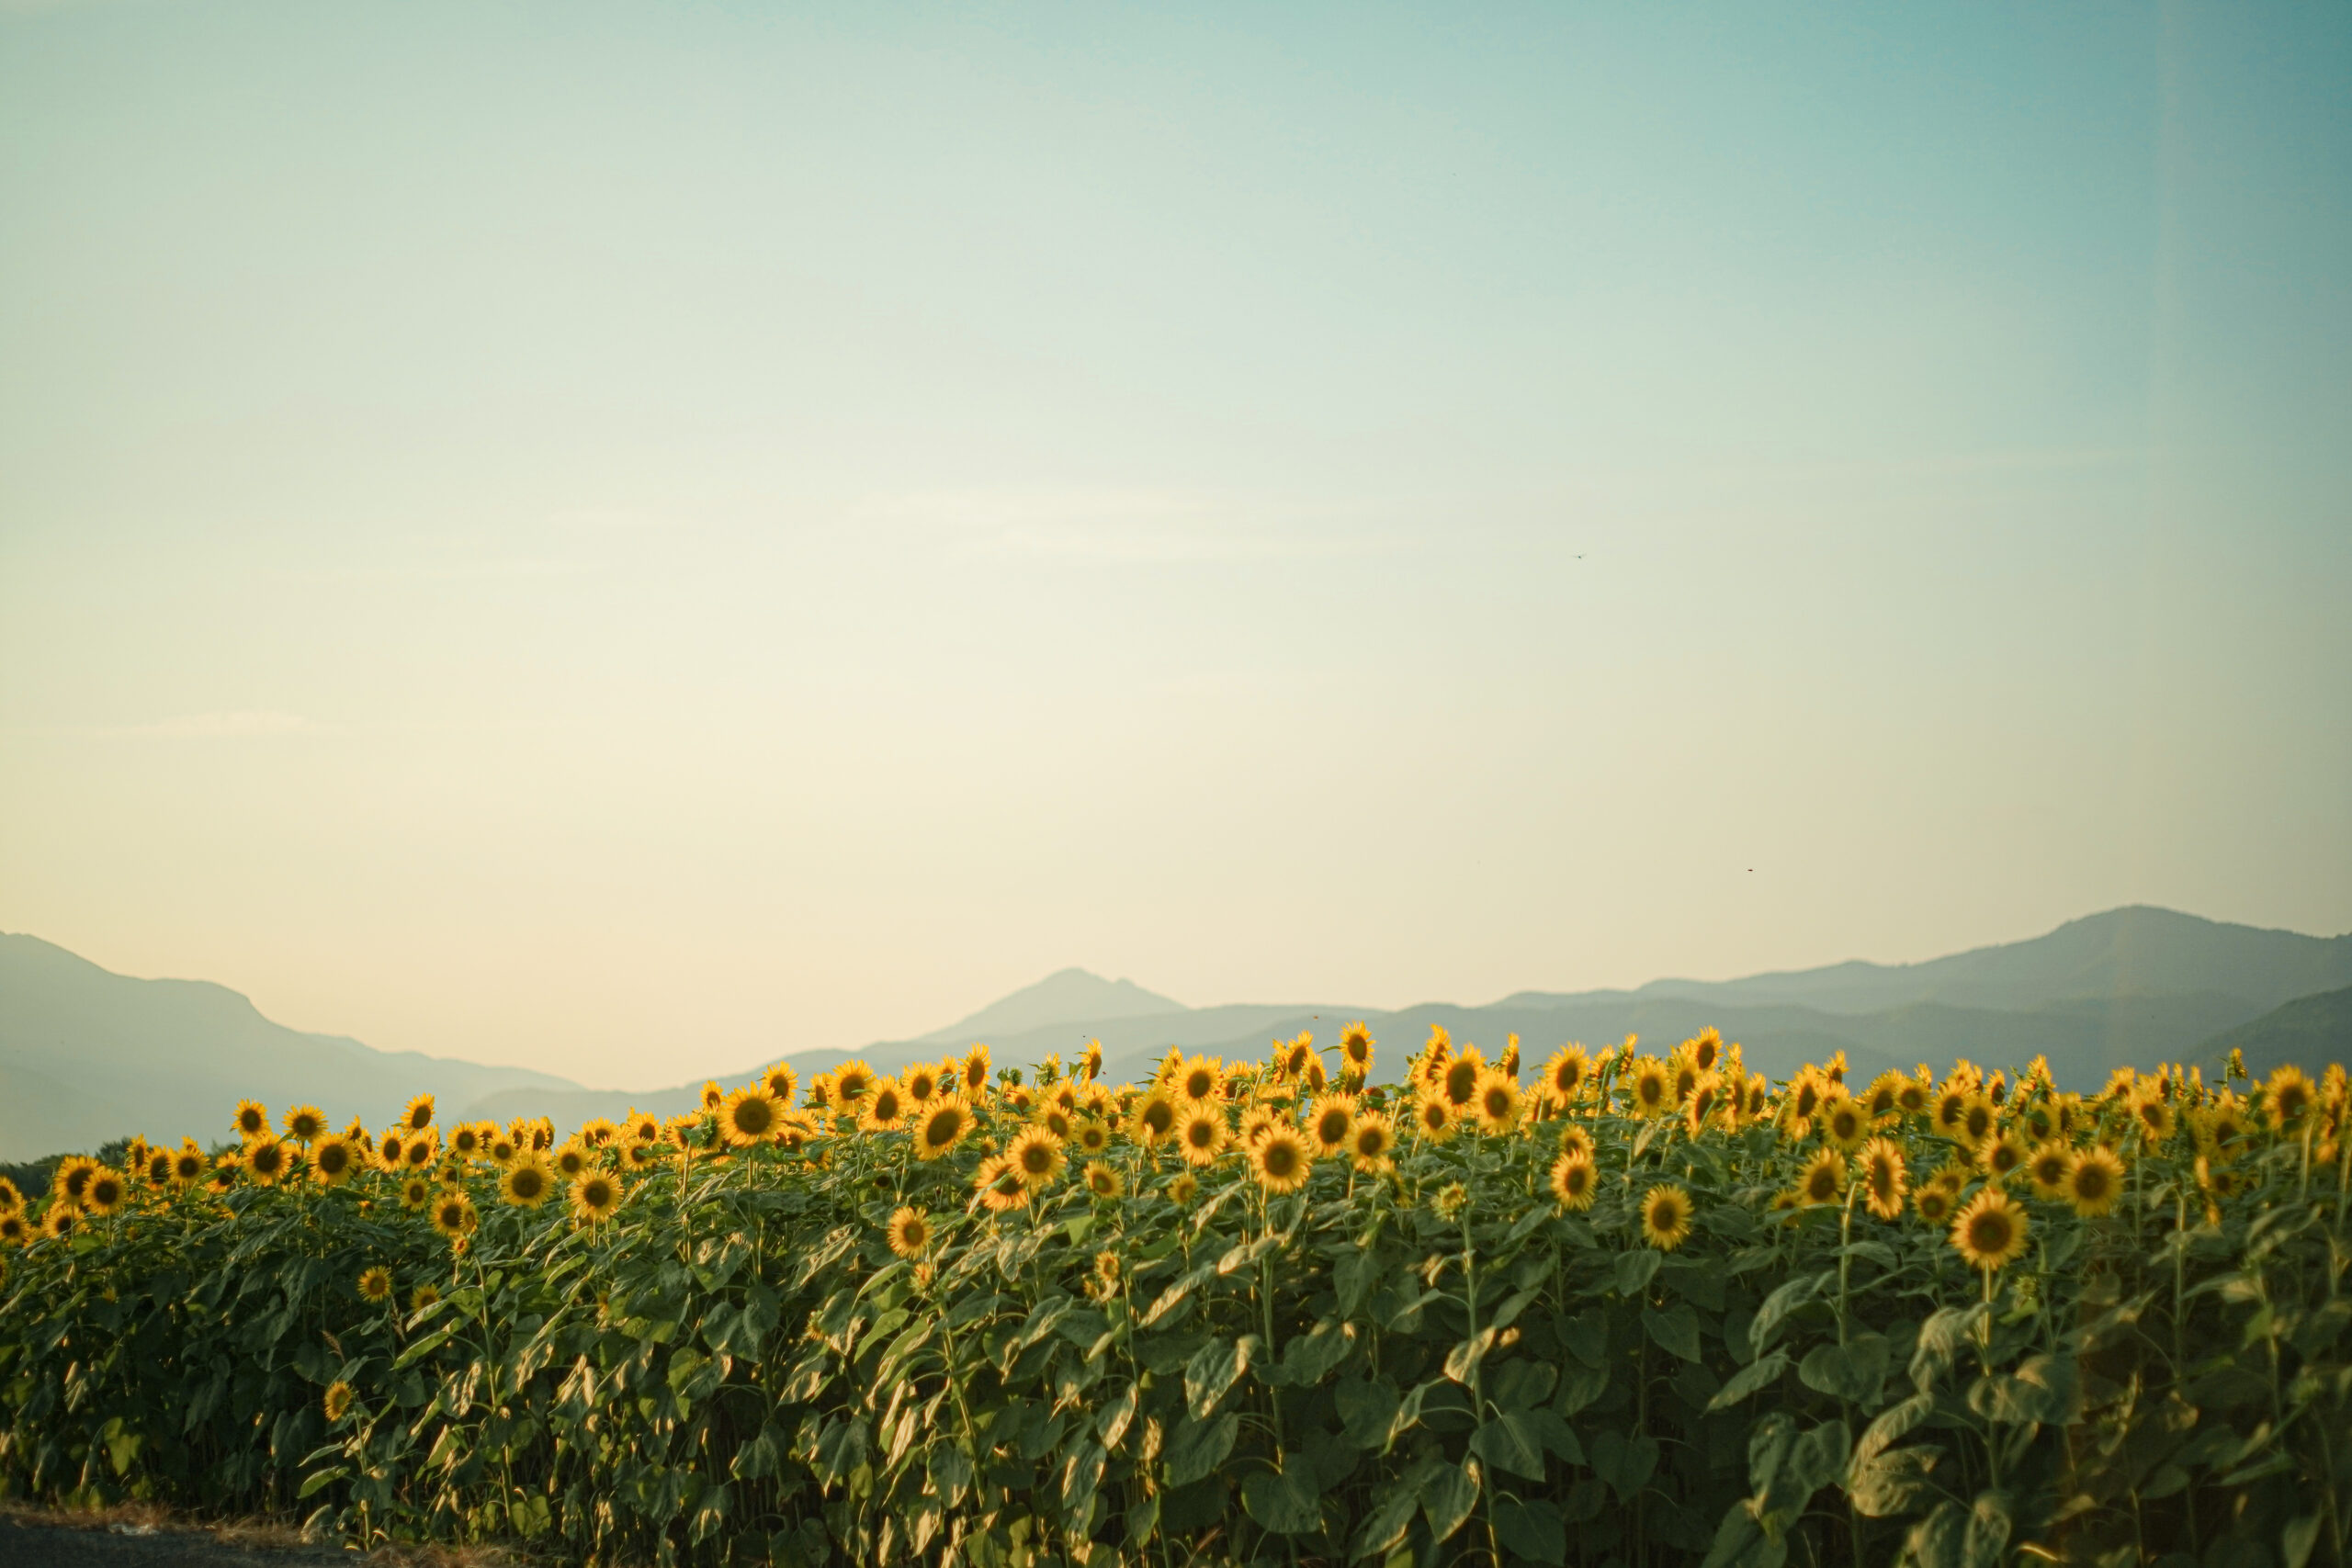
[{"x": 258, "y": 1534}]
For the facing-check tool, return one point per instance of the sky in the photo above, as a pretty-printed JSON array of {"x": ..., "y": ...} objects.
[{"x": 629, "y": 539}]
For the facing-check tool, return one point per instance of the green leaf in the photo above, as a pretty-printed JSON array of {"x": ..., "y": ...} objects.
[
  {"x": 1636, "y": 1268},
  {"x": 1198, "y": 1447},
  {"x": 1893, "y": 1424},
  {"x": 1766, "y": 1326},
  {"x": 1283, "y": 1501},
  {"x": 1748, "y": 1379},
  {"x": 1625, "y": 1463},
  {"x": 1462, "y": 1361},
  {"x": 1851, "y": 1371},
  {"x": 841, "y": 1448},
  {"x": 1309, "y": 1358},
  {"x": 1447, "y": 1496},
  {"x": 1534, "y": 1530},
  {"x": 1891, "y": 1482},
  {"x": 1213, "y": 1372},
  {"x": 1509, "y": 1442},
  {"x": 1676, "y": 1328},
  {"x": 1365, "y": 1409},
  {"x": 318, "y": 1480},
  {"x": 1740, "y": 1543},
  {"x": 1385, "y": 1525},
  {"x": 1112, "y": 1425},
  {"x": 1353, "y": 1277},
  {"x": 2296, "y": 1540}
]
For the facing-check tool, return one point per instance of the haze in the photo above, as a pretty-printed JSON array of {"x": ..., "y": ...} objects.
[{"x": 586, "y": 535}]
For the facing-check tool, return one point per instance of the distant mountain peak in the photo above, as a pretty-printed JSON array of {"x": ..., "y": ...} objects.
[{"x": 1074, "y": 997}]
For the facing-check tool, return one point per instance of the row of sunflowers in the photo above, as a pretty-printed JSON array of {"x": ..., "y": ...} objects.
[{"x": 1627, "y": 1308}]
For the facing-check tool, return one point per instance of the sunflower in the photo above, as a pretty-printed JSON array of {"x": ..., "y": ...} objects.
[
  {"x": 1952, "y": 1176},
  {"x": 391, "y": 1149},
  {"x": 909, "y": 1231},
  {"x": 1154, "y": 1118},
  {"x": 596, "y": 1132},
  {"x": 1459, "y": 1080},
  {"x": 1885, "y": 1178},
  {"x": 2154, "y": 1114},
  {"x": 1057, "y": 1122},
  {"x": 1295, "y": 1055},
  {"x": 2001, "y": 1155},
  {"x": 1280, "y": 1160},
  {"x": 572, "y": 1160},
  {"x": 749, "y": 1116},
  {"x": 375, "y": 1284},
  {"x": 1498, "y": 1102},
  {"x": 1355, "y": 1049},
  {"x": 1977, "y": 1121},
  {"x": 419, "y": 1114},
  {"x": 1950, "y": 1107},
  {"x": 976, "y": 1070},
  {"x": 1089, "y": 1061},
  {"x": 1256, "y": 1123},
  {"x": 999, "y": 1186},
  {"x": 941, "y": 1125},
  {"x": 107, "y": 1192},
  {"x": 501, "y": 1148},
  {"x": 453, "y": 1215},
  {"x": 644, "y": 1127},
  {"x": 1106, "y": 1271},
  {"x": 1805, "y": 1092},
  {"x": 528, "y": 1182},
  {"x": 1091, "y": 1136},
  {"x": 60, "y": 1220},
  {"x": 1879, "y": 1100},
  {"x": 422, "y": 1297},
  {"x": 465, "y": 1140},
  {"x": 70, "y": 1180},
  {"x": 2287, "y": 1096},
  {"x": 1103, "y": 1181},
  {"x": 1823, "y": 1180},
  {"x": 596, "y": 1196},
  {"x": 1200, "y": 1134},
  {"x": 1934, "y": 1203},
  {"x": 713, "y": 1097},
  {"x": 1201, "y": 1080},
  {"x": 885, "y": 1109},
  {"x": 305, "y": 1124},
  {"x": 1183, "y": 1189},
  {"x": 157, "y": 1171},
  {"x": 1651, "y": 1092},
  {"x": 1037, "y": 1156},
  {"x": 640, "y": 1157},
  {"x": 333, "y": 1159},
  {"x": 1370, "y": 1137},
  {"x": 10, "y": 1199},
  {"x": 2094, "y": 1180},
  {"x": 416, "y": 1193},
  {"x": 423, "y": 1149},
  {"x": 265, "y": 1160},
  {"x": 1564, "y": 1076},
  {"x": 1433, "y": 1116},
  {"x": 338, "y": 1399},
  {"x": 1665, "y": 1217},
  {"x": 252, "y": 1119},
  {"x": 782, "y": 1082},
  {"x": 1990, "y": 1232},
  {"x": 1910, "y": 1096},
  {"x": 1706, "y": 1098},
  {"x": 1686, "y": 1074},
  {"x": 1574, "y": 1181},
  {"x": 224, "y": 1173},
  {"x": 1576, "y": 1140},
  {"x": 2227, "y": 1126},
  {"x": 14, "y": 1229},
  {"x": 1329, "y": 1120},
  {"x": 920, "y": 1081},
  {"x": 1845, "y": 1121},
  {"x": 853, "y": 1081},
  {"x": 2046, "y": 1168}
]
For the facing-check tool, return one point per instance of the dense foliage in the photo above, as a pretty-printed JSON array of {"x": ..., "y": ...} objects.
[{"x": 1637, "y": 1311}]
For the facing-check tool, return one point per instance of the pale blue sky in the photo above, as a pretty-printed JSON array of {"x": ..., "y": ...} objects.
[{"x": 631, "y": 538}]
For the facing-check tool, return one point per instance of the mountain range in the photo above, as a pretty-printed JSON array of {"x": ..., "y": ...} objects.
[{"x": 86, "y": 1055}]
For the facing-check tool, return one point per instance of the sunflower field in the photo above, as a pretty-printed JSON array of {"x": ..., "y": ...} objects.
[{"x": 1625, "y": 1309}]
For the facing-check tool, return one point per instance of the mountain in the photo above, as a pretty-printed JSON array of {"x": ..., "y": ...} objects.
[
  {"x": 2134, "y": 950},
  {"x": 86, "y": 1056},
  {"x": 2310, "y": 1031},
  {"x": 1060, "y": 998}
]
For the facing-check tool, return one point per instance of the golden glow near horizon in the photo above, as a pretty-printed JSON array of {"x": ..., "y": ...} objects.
[{"x": 612, "y": 540}]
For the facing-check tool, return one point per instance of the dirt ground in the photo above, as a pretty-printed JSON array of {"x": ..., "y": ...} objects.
[{"x": 33, "y": 1540}]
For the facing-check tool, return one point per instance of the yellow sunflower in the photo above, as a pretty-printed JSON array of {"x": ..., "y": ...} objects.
[
  {"x": 422, "y": 1297},
  {"x": 2002, "y": 1156},
  {"x": 415, "y": 1193},
  {"x": 15, "y": 1230},
  {"x": 501, "y": 1148},
  {"x": 1154, "y": 1118},
  {"x": 750, "y": 1116},
  {"x": 644, "y": 1127},
  {"x": 1845, "y": 1122},
  {"x": 1092, "y": 1138},
  {"x": 1665, "y": 1217},
  {"x": 60, "y": 1220},
  {"x": 1823, "y": 1180},
  {"x": 999, "y": 1184},
  {"x": 107, "y": 1192},
  {"x": 1355, "y": 1048},
  {"x": 596, "y": 1196},
  {"x": 453, "y": 1215},
  {"x": 976, "y": 1070},
  {"x": 252, "y": 1119},
  {"x": 572, "y": 1160},
  {"x": 1990, "y": 1232},
  {"x": 942, "y": 1125},
  {"x": 266, "y": 1159},
  {"x": 391, "y": 1149},
  {"x": 421, "y": 1150},
  {"x": 1200, "y": 1134},
  {"x": 921, "y": 1080},
  {"x": 1652, "y": 1090},
  {"x": 1934, "y": 1203},
  {"x": 2046, "y": 1168},
  {"x": 1459, "y": 1079},
  {"x": 1879, "y": 1100},
  {"x": 187, "y": 1164},
  {"x": 884, "y": 1109},
  {"x": 853, "y": 1081},
  {"x": 305, "y": 1124},
  {"x": 782, "y": 1082},
  {"x": 1037, "y": 1156},
  {"x": 2094, "y": 1180},
  {"x": 333, "y": 1160},
  {"x": 1329, "y": 1120},
  {"x": 1910, "y": 1096},
  {"x": 1564, "y": 1076},
  {"x": 2287, "y": 1096},
  {"x": 1370, "y": 1137},
  {"x": 375, "y": 1284},
  {"x": 1280, "y": 1159},
  {"x": 1885, "y": 1178},
  {"x": 336, "y": 1401},
  {"x": 713, "y": 1097},
  {"x": 909, "y": 1231},
  {"x": 1574, "y": 1181},
  {"x": 465, "y": 1140},
  {"x": 527, "y": 1183},
  {"x": 1201, "y": 1080},
  {"x": 1103, "y": 1181},
  {"x": 596, "y": 1132},
  {"x": 1433, "y": 1116},
  {"x": 419, "y": 1114},
  {"x": 1498, "y": 1102}
]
